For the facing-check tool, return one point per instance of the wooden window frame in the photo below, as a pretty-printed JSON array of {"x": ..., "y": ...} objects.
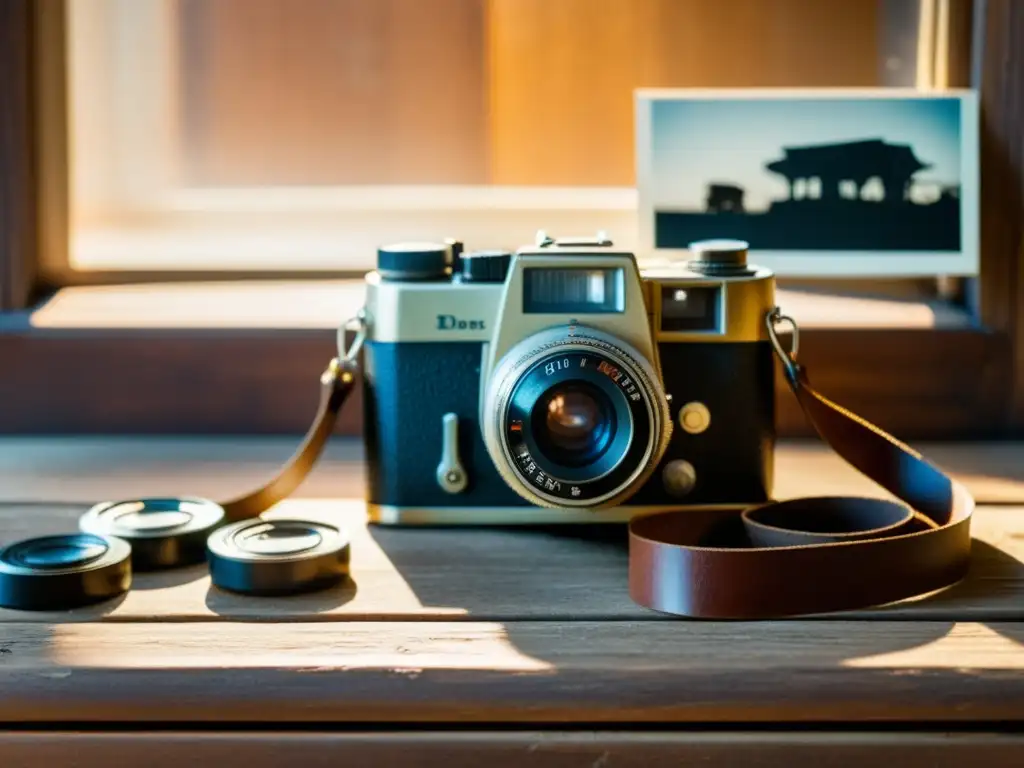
[{"x": 919, "y": 383}]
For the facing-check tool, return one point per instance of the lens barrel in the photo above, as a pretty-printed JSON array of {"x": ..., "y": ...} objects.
[{"x": 576, "y": 421}]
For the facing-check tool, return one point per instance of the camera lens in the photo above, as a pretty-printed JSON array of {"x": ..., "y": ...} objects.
[
  {"x": 573, "y": 423},
  {"x": 575, "y": 420}
]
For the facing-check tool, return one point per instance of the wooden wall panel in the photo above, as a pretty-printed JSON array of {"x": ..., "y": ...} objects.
[
  {"x": 1001, "y": 86},
  {"x": 505, "y": 91},
  {"x": 17, "y": 171},
  {"x": 333, "y": 91},
  {"x": 562, "y": 73}
]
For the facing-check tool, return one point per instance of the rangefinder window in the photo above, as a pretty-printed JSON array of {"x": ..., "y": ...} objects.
[
  {"x": 691, "y": 308},
  {"x": 548, "y": 290}
]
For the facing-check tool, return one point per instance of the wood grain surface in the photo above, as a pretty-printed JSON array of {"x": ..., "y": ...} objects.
[
  {"x": 342, "y": 92},
  {"x": 400, "y": 91},
  {"x": 207, "y": 359},
  {"x": 586, "y": 64},
  {"x": 561, "y": 573},
  {"x": 484, "y": 625},
  {"x": 580, "y": 672},
  {"x": 503, "y": 749},
  {"x": 1000, "y": 82},
  {"x": 90, "y": 468}
]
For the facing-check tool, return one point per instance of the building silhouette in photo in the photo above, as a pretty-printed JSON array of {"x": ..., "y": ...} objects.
[{"x": 854, "y": 195}]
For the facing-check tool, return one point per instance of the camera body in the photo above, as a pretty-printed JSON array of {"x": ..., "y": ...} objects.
[{"x": 562, "y": 383}]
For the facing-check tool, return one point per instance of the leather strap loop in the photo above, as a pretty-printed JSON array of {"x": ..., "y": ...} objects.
[
  {"x": 806, "y": 556},
  {"x": 336, "y": 383}
]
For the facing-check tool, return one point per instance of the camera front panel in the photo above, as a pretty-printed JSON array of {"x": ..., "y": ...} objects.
[
  {"x": 409, "y": 388},
  {"x": 723, "y": 412}
]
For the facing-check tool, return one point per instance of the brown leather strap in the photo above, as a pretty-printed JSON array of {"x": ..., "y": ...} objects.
[
  {"x": 335, "y": 385},
  {"x": 811, "y": 555}
]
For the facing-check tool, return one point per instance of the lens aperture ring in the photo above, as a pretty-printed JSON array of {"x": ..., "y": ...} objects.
[{"x": 640, "y": 420}]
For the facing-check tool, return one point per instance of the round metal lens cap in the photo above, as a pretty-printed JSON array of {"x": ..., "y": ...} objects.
[
  {"x": 61, "y": 572},
  {"x": 163, "y": 532},
  {"x": 276, "y": 557}
]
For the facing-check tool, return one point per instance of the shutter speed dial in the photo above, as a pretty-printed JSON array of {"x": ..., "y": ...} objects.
[
  {"x": 485, "y": 266},
  {"x": 414, "y": 261}
]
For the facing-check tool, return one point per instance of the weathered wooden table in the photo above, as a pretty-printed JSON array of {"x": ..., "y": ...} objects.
[{"x": 492, "y": 647}]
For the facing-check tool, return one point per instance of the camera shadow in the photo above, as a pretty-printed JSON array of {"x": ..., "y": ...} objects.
[
  {"x": 83, "y": 614},
  {"x": 496, "y": 573},
  {"x": 560, "y": 594}
]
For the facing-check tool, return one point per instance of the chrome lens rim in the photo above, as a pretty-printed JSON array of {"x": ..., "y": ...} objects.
[
  {"x": 641, "y": 411},
  {"x": 538, "y": 466}
]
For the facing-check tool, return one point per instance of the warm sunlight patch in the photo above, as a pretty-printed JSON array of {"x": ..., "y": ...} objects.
[
  {"x": 965, "y": 647},
  {"x": 408, "y": 648}
]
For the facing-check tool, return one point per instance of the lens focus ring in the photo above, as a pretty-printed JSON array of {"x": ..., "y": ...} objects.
[{"x": 551, "y": 387}]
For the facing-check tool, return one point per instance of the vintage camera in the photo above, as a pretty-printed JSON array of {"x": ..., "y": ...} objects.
[{"x": 562, "y": 383}]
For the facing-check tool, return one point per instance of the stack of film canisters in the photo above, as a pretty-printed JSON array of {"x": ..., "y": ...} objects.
[{"x": 117, "y": 539}]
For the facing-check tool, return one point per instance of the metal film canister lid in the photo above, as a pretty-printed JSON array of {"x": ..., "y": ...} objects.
[
  {"x": 61, "y": 572},
  {"x": 163, "y": 532},
  {"x": 277, "y": 557}
]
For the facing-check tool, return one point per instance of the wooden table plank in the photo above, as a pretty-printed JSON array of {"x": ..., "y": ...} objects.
[
  {"x": 403, "y": 573},
  {"x": 513, "y": 672},
  {"x": 501, "y": 749},
  {"x": 80, "y": 469},
  {"x": 564, "y": 573},
  {"x": 485, "y": 625}
]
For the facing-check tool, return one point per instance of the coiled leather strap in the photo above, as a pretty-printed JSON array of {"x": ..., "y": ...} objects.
[{"x": 810, "y": 555}]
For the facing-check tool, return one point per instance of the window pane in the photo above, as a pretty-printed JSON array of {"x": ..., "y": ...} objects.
[
  {"x": 188, "y": 117},
  {"x": 530, "y": 92},
  {"x": 333, "y": 92}
]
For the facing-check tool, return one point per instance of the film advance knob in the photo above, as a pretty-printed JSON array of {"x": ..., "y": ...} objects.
[
  {"x": 719, "y": 257},
  {"x": 485, "y": 266},
  {"x": 414, "y": 261}
]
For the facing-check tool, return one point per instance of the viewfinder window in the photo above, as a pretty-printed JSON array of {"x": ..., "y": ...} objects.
[
  {"x": 574, "y": 290},
  {"x": 691, "y": 308}
]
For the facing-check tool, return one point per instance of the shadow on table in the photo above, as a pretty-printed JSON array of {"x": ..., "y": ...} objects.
[
  {"x": 171, "y": 577},
  {"x": 560, "y": 587},
  {"x": 298, "y": 607}
]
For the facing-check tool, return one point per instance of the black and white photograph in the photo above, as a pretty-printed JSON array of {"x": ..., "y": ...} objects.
[{"x": 817, "y": 182}]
